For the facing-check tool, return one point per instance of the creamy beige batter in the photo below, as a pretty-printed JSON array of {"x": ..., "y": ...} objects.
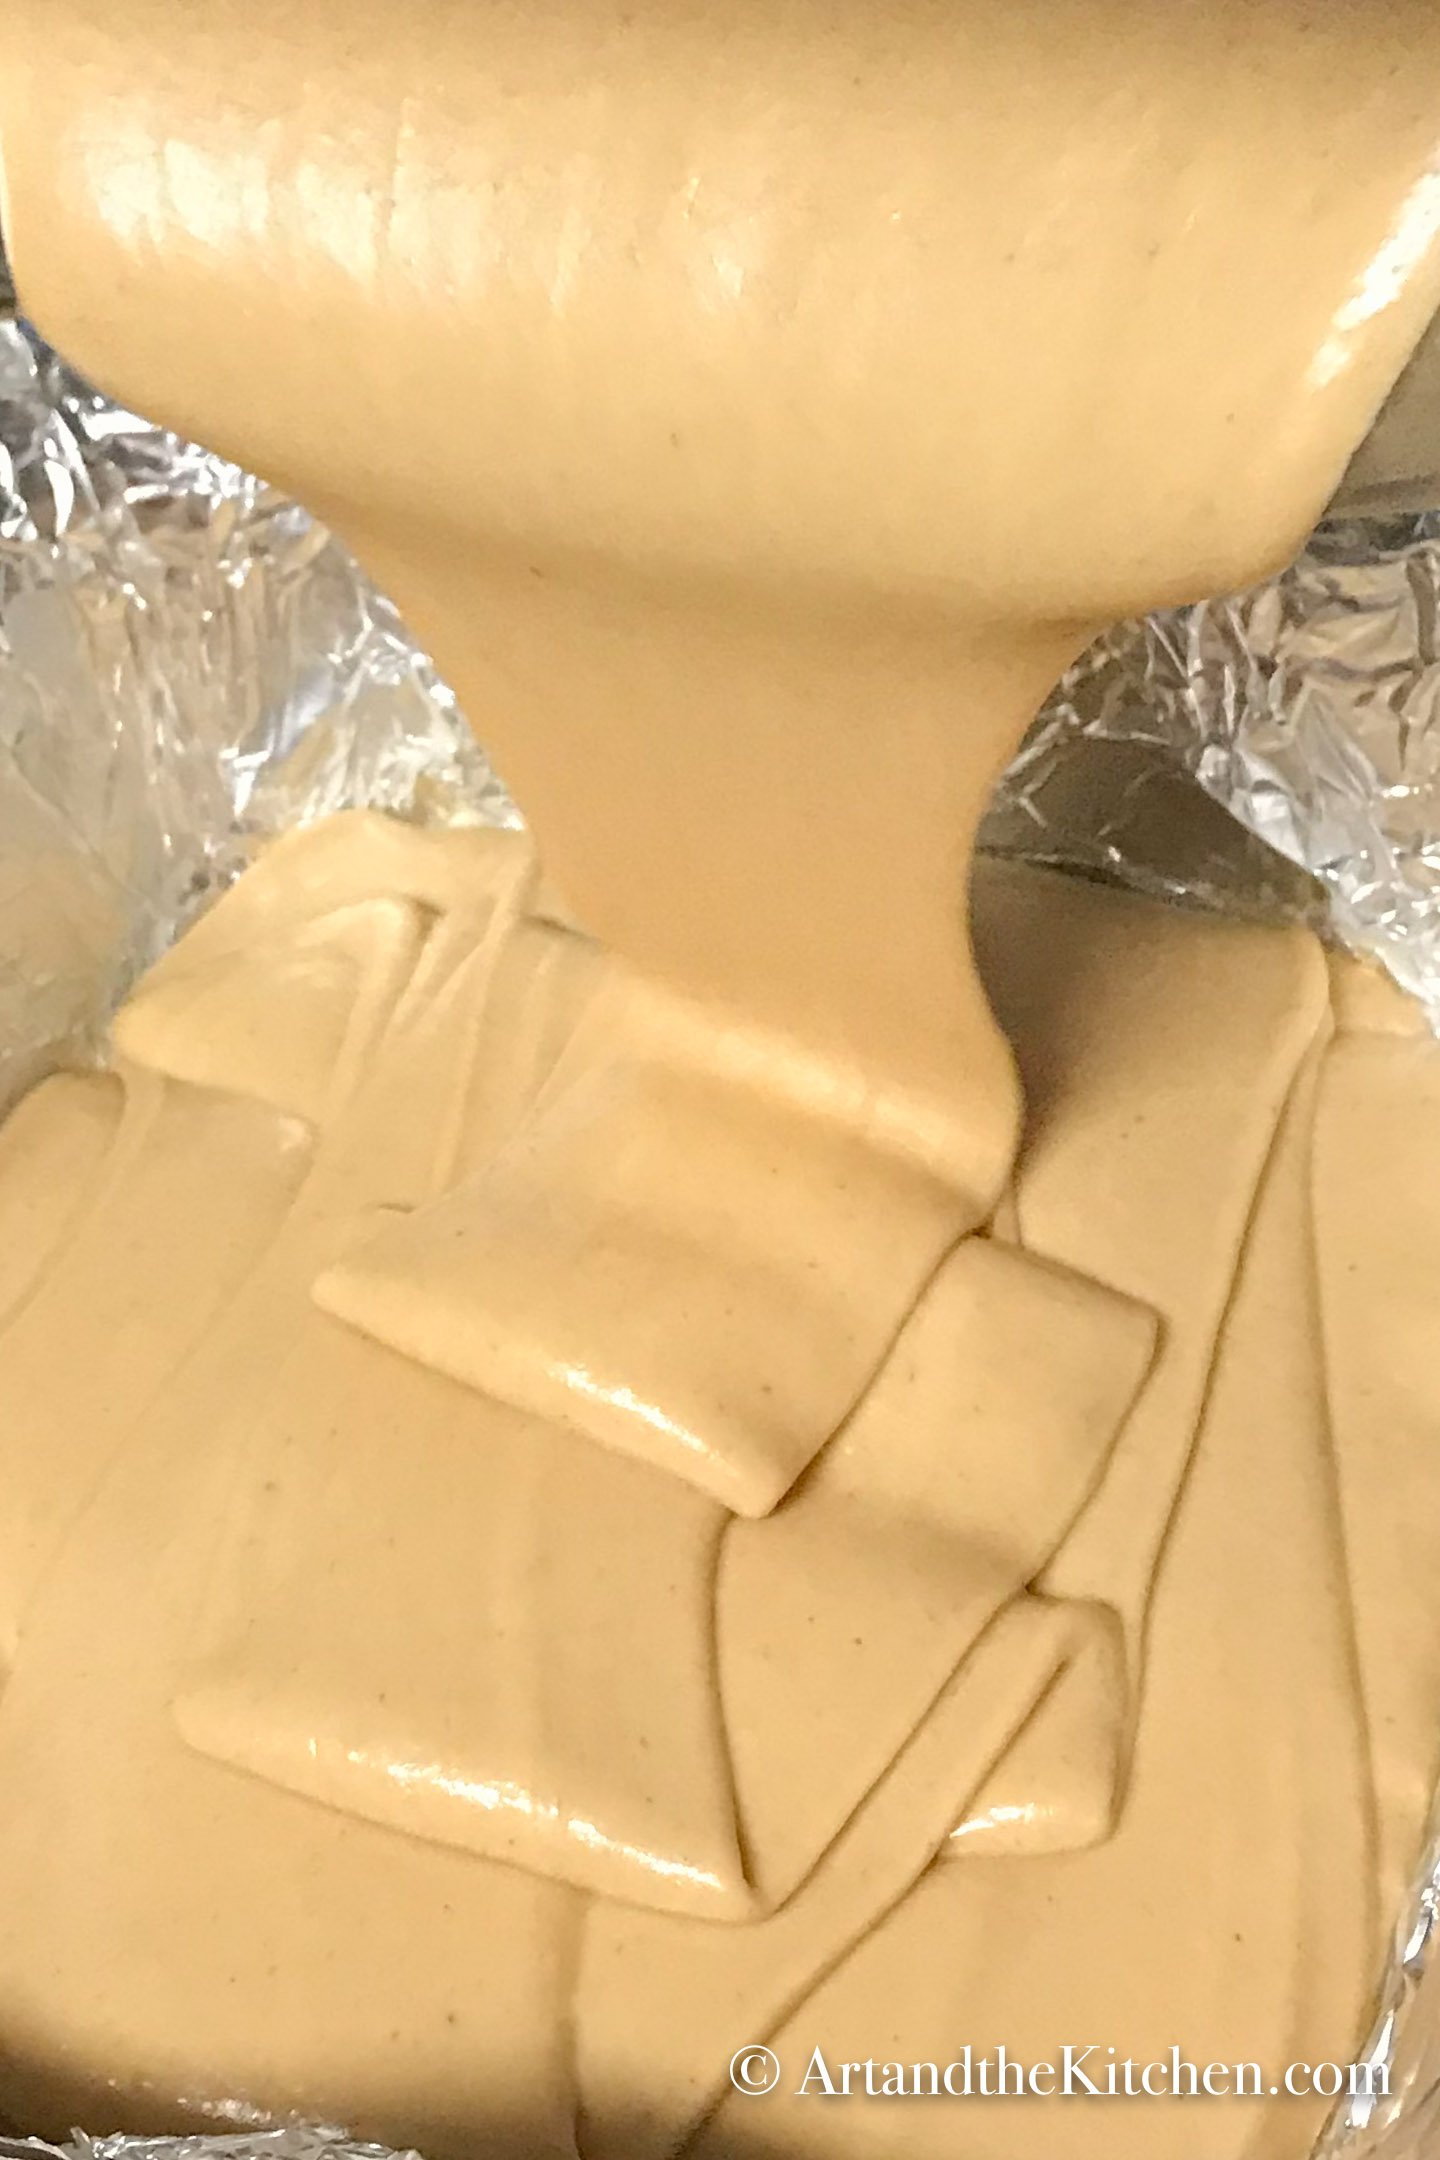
[{"x": 588, "y": 1381}]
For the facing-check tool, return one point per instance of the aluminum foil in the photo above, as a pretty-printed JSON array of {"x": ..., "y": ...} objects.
[
  {"x": 189, "y": 662},
  {"x": 1308, "y": 707},
  {"x": 1396, "y": 2115},
  {"x": 293, "y": 2142}
]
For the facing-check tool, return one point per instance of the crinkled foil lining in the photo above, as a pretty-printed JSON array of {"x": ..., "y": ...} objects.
[
  {"x": 1308, "y": 707},
  {"x": 190, "y": 663},
  {"x": 295, "y": 2141}
]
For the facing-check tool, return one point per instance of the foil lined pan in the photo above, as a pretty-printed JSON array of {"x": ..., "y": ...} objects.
[
  {"x": 1309, "y": 708},
  {"x": 190, "y": 663},
  {"x": 295, "y": 2141}
]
